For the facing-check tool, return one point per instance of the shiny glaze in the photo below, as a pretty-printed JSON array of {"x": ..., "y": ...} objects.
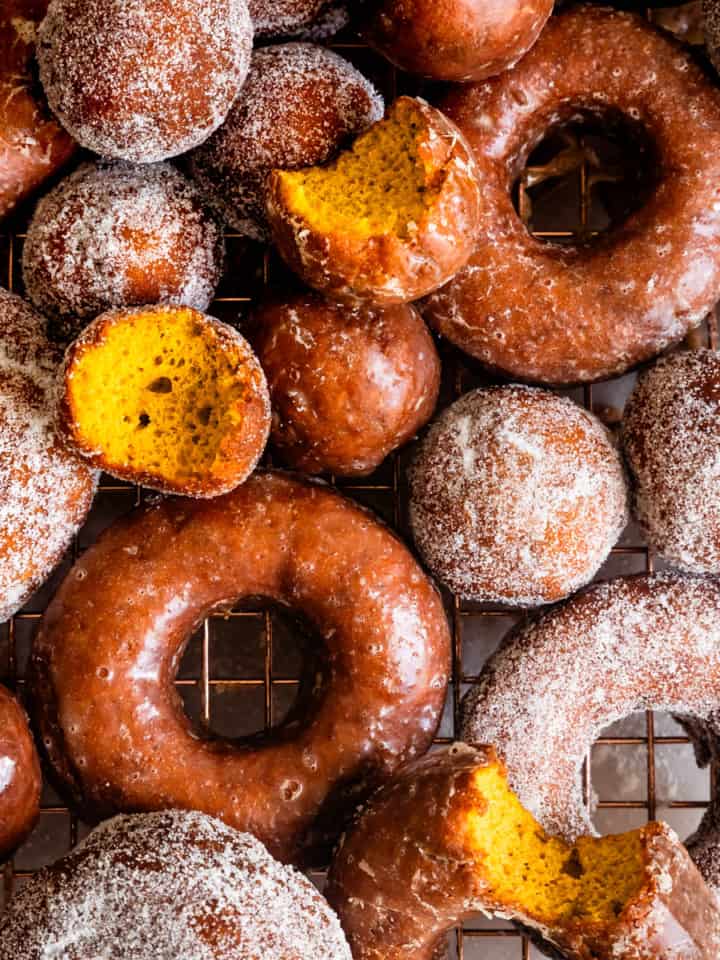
[
  {"x": 19, "y": 775},
  {"x": 109, "y": 645}
]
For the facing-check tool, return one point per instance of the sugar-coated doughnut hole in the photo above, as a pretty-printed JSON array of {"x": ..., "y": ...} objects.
[{"x": 311, "y": 19}]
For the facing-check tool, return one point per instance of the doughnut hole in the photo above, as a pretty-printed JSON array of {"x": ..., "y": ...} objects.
[{"x": 168, "y": 397}]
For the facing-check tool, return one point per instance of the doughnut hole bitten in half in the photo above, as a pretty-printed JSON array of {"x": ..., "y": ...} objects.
[
  {"x": 19, "y": 775},
  {"x": 348, "y": 384},
  {"x": 576, "y": 313},
  {"x": 447, "y": 838},
  {"x": 167, "y": 397},
  {"x": 388, "y": 221}
]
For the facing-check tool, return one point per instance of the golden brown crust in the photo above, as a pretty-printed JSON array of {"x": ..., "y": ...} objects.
[
  {"x": 33, "y": 145},
  {"x": 385, "y": 268},
  {"x": 347, "y": 384},
  {"x": 109, "y": 645},
  {"x": 19, "y": 775},
  {"x": 455, "y": 39}
]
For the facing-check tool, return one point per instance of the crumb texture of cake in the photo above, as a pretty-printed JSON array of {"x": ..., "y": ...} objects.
[
  {"x": 447, "y": 838},
  {"x": 166, "y": 396},
  {"x": 390, "y": 219}
]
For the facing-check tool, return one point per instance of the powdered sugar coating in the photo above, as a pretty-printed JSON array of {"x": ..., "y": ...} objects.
[
  {"x": 116, "y": 235},
  {"x": 313, "y": 19},
  {"x": 143, "y": 80},
  {"x": 650, "y": 642},
  {"x": 517, "y": 496},
  {"x": 299, "y": 105},
  {"x": 170, "y": 885},
  {"x": 44, "y": 493},
  {"x": 671, "y": 436}
]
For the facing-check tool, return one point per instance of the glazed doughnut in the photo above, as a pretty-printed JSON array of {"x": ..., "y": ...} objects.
[
  {"x": 299, "y": 104},
  {"x": 570, "y": 314},
  {"x": 20, "y": 779},
  {"x": 517, "y": 496},
  {"x": 447, "y": 838},
  {"x": 455, "y": 39},
  {"x": 650, "y": 642},
  {"x": 143, "y": 80},
  {"x": 119, "y": 235},
  {"x": 33, "y": 145},
  {"x": 671, "y": 436},
  {"x": 46, "y": 493},
  {"x": 348, "y": 385},
  {"x": 312, "y": 19},
  {"x": 107, "y": 650},
  {"x": 170, "y": 884}
]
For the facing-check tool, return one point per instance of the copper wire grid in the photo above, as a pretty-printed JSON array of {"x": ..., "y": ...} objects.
[{"x": 241, "y": 670}]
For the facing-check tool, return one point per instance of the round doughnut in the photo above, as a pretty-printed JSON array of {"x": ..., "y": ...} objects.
[
  {"x": 570, "y": 314},
  {"x": 348, "y": 385},
  {"x": 119, "y": 235},
  {"x": 671, "y": 436},
  {"x": 106, "y": 652},
  {"x": 311, "y": 19},
  {"x": 143, "y": 80},
  {"x": 45, "y": 492},
  {"x": 33, "y": 145},
  {"x": 455, "y": 39},
  {"x": 298, "y": 106},
  {"x": 170, "y": 884},
  {"x": 20, "y": 778},
  {"x": 516, "y": 496},
  {"x": 649, "y": 642}
]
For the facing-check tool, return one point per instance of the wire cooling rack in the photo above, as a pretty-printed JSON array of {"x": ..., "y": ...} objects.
[{"x": 240, "y": 673}]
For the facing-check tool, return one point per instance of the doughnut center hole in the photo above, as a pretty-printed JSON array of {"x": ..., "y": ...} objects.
[
  {"x": 586, "y": 177},
  {"x": 646, "y": 764}
]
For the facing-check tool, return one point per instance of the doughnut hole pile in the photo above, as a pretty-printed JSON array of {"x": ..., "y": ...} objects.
[
  {"x": 517, "y": 496},
  {"x": 299, "y": 104},
  {"x": 168, "y": 397},
  {"x": 119, "y": 235},
  {"x": 348, "y": 385}
]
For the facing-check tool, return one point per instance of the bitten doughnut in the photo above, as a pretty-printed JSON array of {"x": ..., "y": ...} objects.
[
  {"x": 170, "y": 884},
  {"x": 649, "y": 642},
  {"x": 390, "y": 219},
  {"x": 33, "y": 145},
  {"x": 19, "y": 776},
  {"x": 447, "y": 838},
  {"x": 570, "y": 314},
  {"x": 143, "y": 80},
  {"x": 45, "y": 493},
  {"x": 671, "y": 436},
  {"x": 298, "y": 106},
  {"x": 167, "y": 397},
  {"x": 348, "y": 385},
  {"x": 455, "y": 39},
  {"x": 120, "y": 235},
  {"x": 289, "y": 18},
  {"x": 517, "y": 496},
  {"x": 107, "y": 650}
]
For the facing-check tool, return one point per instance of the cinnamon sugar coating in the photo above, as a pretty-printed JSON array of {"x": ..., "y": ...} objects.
[
  {"x": 571, "y": 314},
  {"x": 33, "y": 145},
  {"x": 348, "y": 385},
  {"x": 19, "y": 775},
  {"x": 517, "y": 496},
  {"x": 650, "y": 642},
  {"x": 170, "y": 885},
  {"x": 108, "y": 648},
  {"x": 310, "y": 19}
]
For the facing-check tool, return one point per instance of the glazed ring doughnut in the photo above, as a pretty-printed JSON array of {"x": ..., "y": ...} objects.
[
  {"x": 569, "y": 314},
  {"x": 19, "y": 775},
  {"x": 107, "y": 650},
  {"x": 650, "y": 642}
]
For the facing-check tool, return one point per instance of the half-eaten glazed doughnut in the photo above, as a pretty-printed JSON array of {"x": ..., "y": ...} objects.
[
  {"x": 19, "y": 775},
  {"x": 170, "y": 886},
  {"x": 388, "y": 221},
  {"x": 167, "y": 397},
  {"x": 649, "y": 642},
  {"x": 108, "y": 648},
  {"x": 447, "y": 838},
  {"x": 576, "y": 313}
]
